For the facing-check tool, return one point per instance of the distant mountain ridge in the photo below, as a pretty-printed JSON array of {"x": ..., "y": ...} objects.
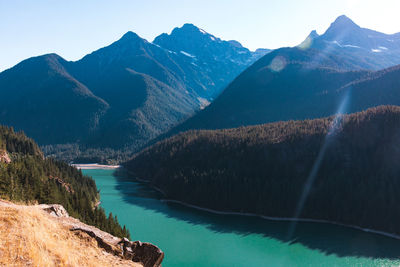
[
  {"x": 213, "y": 54},
  {"x": 309, "y": 81},
  {"x": 42, "y": 98},
  {"x": 364, "y": 48},
  {"x": 121, "y": 95},
  {"x": 132, "y": 91}
]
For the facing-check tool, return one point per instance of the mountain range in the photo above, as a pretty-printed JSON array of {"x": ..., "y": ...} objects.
[
  {"x": 128, "y": 93},
  {"x": 306, "y": 82},
  {"x": 121, "y": 95}
]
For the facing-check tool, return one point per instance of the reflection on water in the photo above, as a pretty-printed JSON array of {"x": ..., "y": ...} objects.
[{"x": 196, "y": 238}]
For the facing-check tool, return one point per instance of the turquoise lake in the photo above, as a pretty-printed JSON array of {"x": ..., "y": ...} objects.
[{"x": 195, "y": 238}]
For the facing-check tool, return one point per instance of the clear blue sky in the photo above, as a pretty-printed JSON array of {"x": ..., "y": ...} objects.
[{"x": 73, "y": 28}]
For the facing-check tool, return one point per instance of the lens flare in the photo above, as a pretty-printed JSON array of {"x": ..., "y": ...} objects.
[
  {"x": 335, "y": 125},
  {"x": 277, "y": 64}
]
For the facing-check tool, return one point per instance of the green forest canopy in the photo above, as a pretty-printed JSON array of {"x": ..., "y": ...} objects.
[
  {"x": 30, "y": 177},
  {"x": 263, "y": 169}
]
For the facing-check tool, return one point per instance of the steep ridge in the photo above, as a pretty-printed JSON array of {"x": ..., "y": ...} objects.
[
  {"x": 340, "y": 169},
  {"x": 41, "y": 97},
  {"x": 218, "y": 60},
  {"x": 161, "y": 108},
  {"x": 288, "y": 84},
  {"x": 131, "y": 52}
]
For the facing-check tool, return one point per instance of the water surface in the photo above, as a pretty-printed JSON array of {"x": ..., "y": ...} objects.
[{"x": 195, "y": 238}]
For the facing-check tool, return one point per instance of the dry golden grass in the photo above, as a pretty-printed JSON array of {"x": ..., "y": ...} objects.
[{"x": 31, "y": 237}]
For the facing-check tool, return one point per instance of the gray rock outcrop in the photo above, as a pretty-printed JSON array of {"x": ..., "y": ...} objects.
[{"x": 147, "y": 254}]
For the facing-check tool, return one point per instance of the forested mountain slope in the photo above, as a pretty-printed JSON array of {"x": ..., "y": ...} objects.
[
  {"x": 286, "y": 84},
  {"x": 306, "y": 81},
  {"x": 41, "y": 97},
  {"x": 349, "y": 163}
]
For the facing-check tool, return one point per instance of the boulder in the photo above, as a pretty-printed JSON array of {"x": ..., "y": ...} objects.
[
  {"x": 4, "y": 157},
  {"x": 146, "y": 253},
  {"x": 55, "y": 210}
]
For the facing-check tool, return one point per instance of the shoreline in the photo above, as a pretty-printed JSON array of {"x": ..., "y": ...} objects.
[
  {"x": 92, "y": 166},
  {"x": 270, "y": 218},
  {"x": 282, "y": 219}
]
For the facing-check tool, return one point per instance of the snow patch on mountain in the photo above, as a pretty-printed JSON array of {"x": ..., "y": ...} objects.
[
  {"x": 187, "y": 54},
  {"x": 352, "y": 46},
  {"x": 345, "y": 45},
  {"x": 203, "y": 102}
]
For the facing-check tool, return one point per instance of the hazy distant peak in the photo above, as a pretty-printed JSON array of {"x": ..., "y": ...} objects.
[
  {"x": 307, "y": 43},
  {"x": 341, "y": 24},
  {"x": 128, "y": 43},
  {"x": 46, "y": 57},
  {"x": 189, "y": 26},
  {"x": 187, "y": 30},
  {"x": 52, "y": 61},
  {"x": 130, "y": 36},
  {"x": 52, "y": 55},
  {"x": 343, "y": 19},
  {"x": 313, "y": 34},
  {"x": 188, "y": 38}
]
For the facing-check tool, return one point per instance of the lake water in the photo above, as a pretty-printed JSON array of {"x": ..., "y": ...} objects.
[{"x": 195, "y": 238}]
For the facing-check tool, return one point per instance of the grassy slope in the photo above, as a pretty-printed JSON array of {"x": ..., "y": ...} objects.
[{"x": 30, "y": 236}]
